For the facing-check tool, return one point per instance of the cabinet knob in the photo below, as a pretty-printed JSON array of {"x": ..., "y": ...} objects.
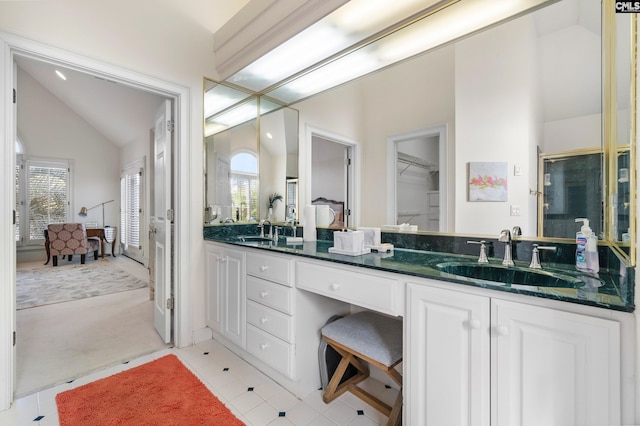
[
  {"x": 335, "y": 286},
  {"x": 502, "y": 330},
  {"x": 263, "y": 320},
  {"x": 474, "y": 324},
  {"x": 264, "y": 294},
  {"x": 263, "y": 268},
  {"x": 264, "y": 346}
]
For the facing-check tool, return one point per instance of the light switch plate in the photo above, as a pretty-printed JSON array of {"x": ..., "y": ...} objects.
[{"x": 517, "y": 171}]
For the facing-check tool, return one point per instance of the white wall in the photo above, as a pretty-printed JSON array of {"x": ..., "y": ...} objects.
[
  {"x": 164, "y": 39},
  {"x": 496, "y": 121},
  {"x": 338, "y": 111},
  {"x": 410, "y": 96},
  {"x": 50, "y": 129}
]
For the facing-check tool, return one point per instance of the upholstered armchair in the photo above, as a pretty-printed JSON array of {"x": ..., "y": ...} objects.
[{"x": 69, "y": 239}]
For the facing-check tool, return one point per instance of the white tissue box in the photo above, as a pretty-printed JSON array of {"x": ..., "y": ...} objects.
[
  {"x": 371, "y": 236},
  {"x": 349, "y": 241}
]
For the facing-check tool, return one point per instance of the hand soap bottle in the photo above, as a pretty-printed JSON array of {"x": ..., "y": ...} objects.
[{"x": 586, "y": 248}]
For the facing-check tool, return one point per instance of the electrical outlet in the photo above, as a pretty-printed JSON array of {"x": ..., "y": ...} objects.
[
  {"x": 515, "y": 210},
  {"x": 517, "y": 171}
]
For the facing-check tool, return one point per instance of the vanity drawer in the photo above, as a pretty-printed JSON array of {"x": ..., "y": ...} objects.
[
  {"x": 270, "y": 350},
  {"x": 369, "y": 291},
  {"x": 270, "y": 294},
  {"x": 269, "y": 267},
  {"x": 270, "y": 320}
]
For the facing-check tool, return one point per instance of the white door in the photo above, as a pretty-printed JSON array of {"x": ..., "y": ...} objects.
[
  {"x": 447, "y": 357},
  {"x": 553, "y": 368},
  {"x": 162, "y": 219}
]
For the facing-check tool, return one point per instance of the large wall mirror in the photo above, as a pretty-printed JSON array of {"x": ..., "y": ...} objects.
[
  {"x": 543, "y": 84},
  {"x": 251, "y": 152},
  {"x": 517, "y": 93},
  {"x": 620, "y": 130}
]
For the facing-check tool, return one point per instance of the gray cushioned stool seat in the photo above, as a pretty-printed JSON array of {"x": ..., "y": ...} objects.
[{"x": 374, "y": 335}]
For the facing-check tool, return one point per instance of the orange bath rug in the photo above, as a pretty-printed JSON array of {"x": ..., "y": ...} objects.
[{"x": 161, "y": 392}]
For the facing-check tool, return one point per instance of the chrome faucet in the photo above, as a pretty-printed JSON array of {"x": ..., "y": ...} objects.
[
  {"x": 483, "y": 250},
  {"x": 262, "y": 225},
  {"x": 505, "y": 237},
  {"x": 516, "y": 232},
  {"x": 535, "y": 255},
  {"x": 293, "y": 223}
]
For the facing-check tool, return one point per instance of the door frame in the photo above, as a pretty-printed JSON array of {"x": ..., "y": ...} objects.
[
  {"x": 354, "y": 183},
  {"x": 11, "y": 45},
  {"x": 392, "y": 172}
]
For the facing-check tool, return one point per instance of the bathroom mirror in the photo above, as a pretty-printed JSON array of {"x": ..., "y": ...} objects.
[
  {"x": 502, "y": 98},
  {"x": 620, "y": 130},
  {"x": 251, "y": 149},
  {"x": 278, "y": 161},
  {"x": 510, "y": 116}
]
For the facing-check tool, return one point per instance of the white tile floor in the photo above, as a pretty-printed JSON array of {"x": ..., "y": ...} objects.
[{"x": 266, "y": 403}]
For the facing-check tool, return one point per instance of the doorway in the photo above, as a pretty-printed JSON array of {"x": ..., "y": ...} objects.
[
  {"x": 416, "y": 177},
  {"x": 333, "y": 164},
  {"x": 179, "y": 97}
]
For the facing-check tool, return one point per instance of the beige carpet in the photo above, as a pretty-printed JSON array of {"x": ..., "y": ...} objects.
[{"x": 58, "y": 342}]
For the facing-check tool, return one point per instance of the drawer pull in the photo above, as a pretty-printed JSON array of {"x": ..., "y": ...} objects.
[
  {"x": 263, "y": 268},
  {"x": 263, "y": 320},
  {"x": 502, "y": 330},
  {"x": 263, "y": 294},
  {"x": 264, "y": 346},
  {"x": 335, "y": 286},
  {"x": 474, "y": 324}
]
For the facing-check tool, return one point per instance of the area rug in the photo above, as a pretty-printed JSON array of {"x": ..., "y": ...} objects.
[
  {"x": 162, "y": 392},
  {"x": 63, "y": 283}
]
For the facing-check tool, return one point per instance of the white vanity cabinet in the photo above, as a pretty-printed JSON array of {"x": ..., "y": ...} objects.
[
  {"x": 225, "y": 292},
  {"x": 480, "y": 360},
  {"x": 270, "y": 324},
  {"x": 255, "y": 310}
]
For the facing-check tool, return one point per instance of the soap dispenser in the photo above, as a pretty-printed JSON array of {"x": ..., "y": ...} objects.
[{"x": 586, "y": 248}]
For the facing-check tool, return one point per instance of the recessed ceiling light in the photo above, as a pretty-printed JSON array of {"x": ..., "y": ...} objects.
[
  {"x": 59, "y": 74},
  {"x": 269, "y": 135}
]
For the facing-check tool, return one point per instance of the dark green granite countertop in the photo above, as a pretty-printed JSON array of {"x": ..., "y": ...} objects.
[{"x": 609, "y": 289}]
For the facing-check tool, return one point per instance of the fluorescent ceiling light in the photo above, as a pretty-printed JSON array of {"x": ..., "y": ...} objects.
[
  {"x": 334, "y": 73},
  {"x": 231, "y": 118},
  {"x": 221, "y": 97},
  {"x": 447, "y": 25},
  {"x": 441, "y": 28},
  {"x": 340, "y": 30},
  {"x": 62, "y": 76}
]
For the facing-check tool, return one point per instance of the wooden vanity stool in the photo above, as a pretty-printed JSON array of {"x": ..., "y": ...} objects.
[{"x": 371, "y": 337}]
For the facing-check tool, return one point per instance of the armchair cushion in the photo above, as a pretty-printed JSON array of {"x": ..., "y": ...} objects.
[{"x": 70, "y": 238}]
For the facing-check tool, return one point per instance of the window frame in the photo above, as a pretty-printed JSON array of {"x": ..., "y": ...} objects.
[{"x": 23, "y": 166}]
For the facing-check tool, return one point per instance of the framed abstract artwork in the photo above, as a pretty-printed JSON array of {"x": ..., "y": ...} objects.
[{"x": 487, "y": 181}]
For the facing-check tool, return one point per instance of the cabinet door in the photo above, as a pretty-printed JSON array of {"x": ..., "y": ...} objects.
[
  {"x": 214, "y": 274},
  {"x": 447, "y": 336},
  {"x": 234, "y": 312},
  {"x": 553, "y": 368}
]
